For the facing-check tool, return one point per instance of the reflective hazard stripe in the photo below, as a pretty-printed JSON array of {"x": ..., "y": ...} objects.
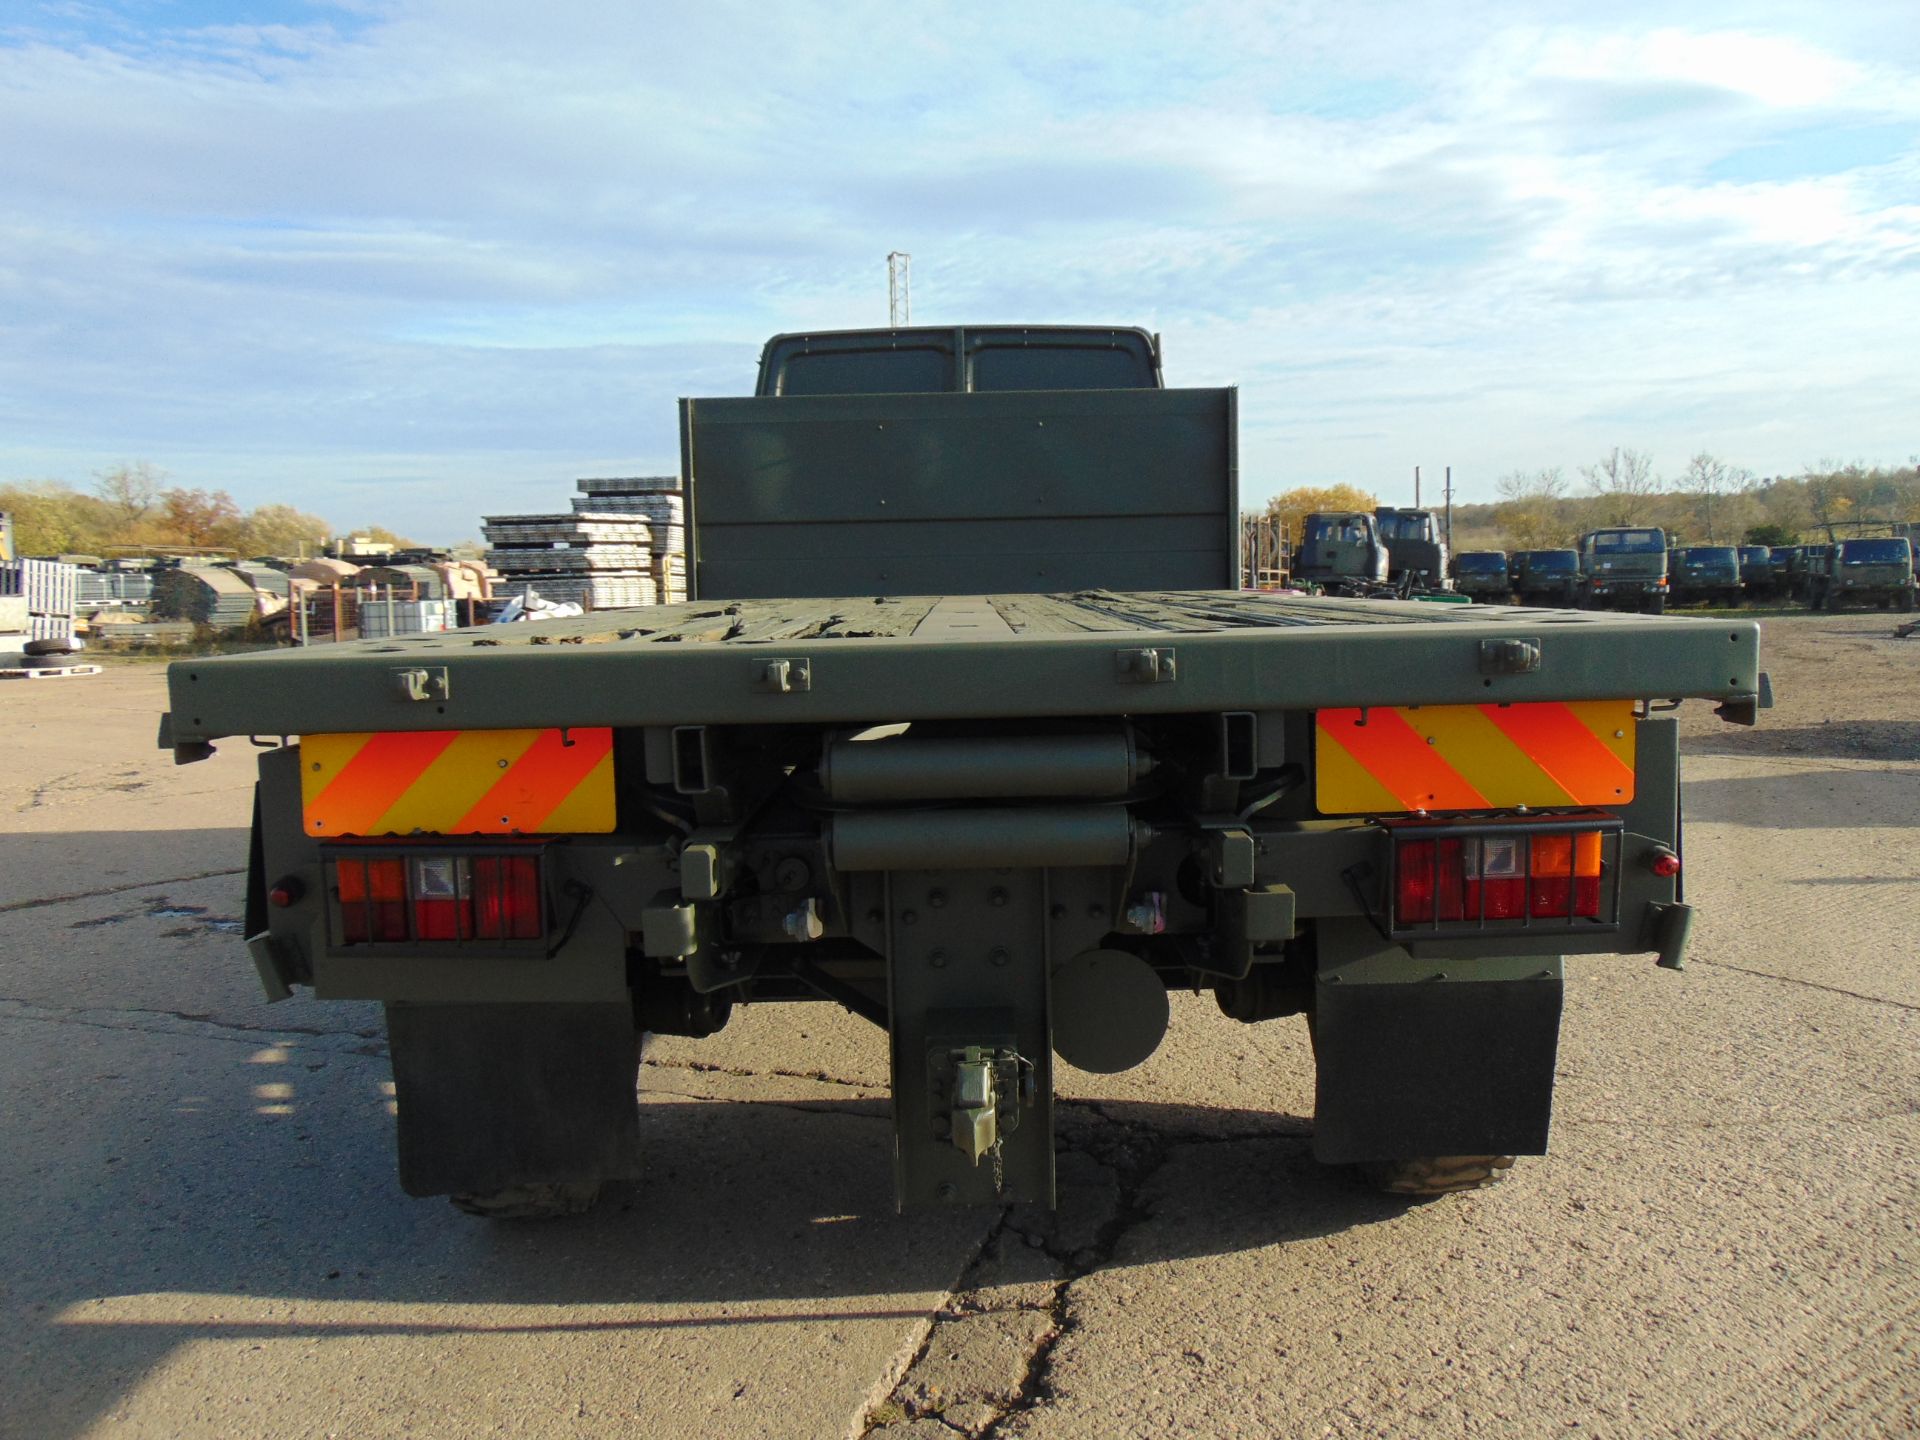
[
  {"x": 451, "y": 782},
  {"x": 1473, "y": 757}
]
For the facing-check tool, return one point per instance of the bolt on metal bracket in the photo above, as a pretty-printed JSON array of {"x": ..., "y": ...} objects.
[{"x": 1145, "y": 667}]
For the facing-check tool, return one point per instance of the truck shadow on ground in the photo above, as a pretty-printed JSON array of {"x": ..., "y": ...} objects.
[
  {"x": 749, "y": 1214},
  {"x": 1839, "y": 740},
  {"x": 1812, "y": 799}
]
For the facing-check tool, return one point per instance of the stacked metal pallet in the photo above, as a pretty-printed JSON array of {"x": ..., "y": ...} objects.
[
  {"x": 208, "y": 595},
  {"x": 48, "y": 588},
  {"x": 623, "y": 545},
  {"x": 109, "y": 589},
  {"x": 658, "y": 498}
]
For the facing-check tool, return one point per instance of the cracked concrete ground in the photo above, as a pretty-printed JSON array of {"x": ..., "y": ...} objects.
[{"x": 203, "y": 1236}]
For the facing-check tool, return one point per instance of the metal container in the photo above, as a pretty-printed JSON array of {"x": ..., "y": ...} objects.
[{"x": 383, "y": 617}]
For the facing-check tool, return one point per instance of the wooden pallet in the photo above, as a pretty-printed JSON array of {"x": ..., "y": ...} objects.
[{"x": 58, "y": 672}]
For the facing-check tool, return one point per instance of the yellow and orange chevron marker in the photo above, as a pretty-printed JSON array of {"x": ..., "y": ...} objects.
[
  {"x": 458, "y": 782},
  {"x": 1393, "y": 760}
]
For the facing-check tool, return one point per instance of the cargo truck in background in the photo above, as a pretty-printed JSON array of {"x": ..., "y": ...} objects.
[
  {"x": 967, "y": 731},
  {"x": 1624, "y": 568},
  {"x": 1341, "y": 551},
  {"x": 1704, "y": 574},
  {"x": 1483, "y": 575},
  {"x": 1870, "y": 571},
  {"x": 1416, "y": 553},
  {"x": 1547, "y": 577}
]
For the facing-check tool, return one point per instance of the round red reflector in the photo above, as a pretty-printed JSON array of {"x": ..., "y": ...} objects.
[
  {"x": 285, "y": 893},
  {"x": 1665, "y": 864}
]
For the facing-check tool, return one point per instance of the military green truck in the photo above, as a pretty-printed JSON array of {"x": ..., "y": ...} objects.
[
  {"x": 1705, "y": 575},
  {"x": 1482, "y": 575},
  {"x": 1341, "y": 552},
  {"x": 1624, "y": 568},
  {"x": 1416, "y": 551},
  {"x": 968, "y": 731},
  {"x": 1757, "y": 575},
  {"x": 1867, "y": 572},
  {"x": 1547, "y": 577}
]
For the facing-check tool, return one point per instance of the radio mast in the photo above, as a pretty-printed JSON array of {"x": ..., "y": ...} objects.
[{"x": 899, "y": 288}]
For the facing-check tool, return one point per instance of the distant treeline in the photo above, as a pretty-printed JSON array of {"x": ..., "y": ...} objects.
[{"x": 131, "y": 507}]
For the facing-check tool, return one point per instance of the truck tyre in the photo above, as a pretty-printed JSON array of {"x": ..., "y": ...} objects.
[
  {"x": 529, "y": 1202},
  {"x": 1657, "y": 605},
  {"x": 1430, "y": 1176},
  {"x": 1906, "y": 600}
]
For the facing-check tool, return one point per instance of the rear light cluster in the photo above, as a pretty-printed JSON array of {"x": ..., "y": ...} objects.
[
  {"x": 398, "y": 899},
  {"x": 1522, "y": 875}
]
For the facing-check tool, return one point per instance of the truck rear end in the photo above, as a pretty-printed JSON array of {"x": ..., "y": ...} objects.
[{"x": 1002, "y": 824}]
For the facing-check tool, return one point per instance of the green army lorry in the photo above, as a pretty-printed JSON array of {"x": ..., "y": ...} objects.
[
  {"x": 1547, "y": 577},
  {"x": 1341, "y": 551},
  {"x": 1757, "y": 576},
  {"x": 1482, "y": 575},
  {"x": 1624, "y": 568},
  {"x": 968, "y": 731},
  {"x": 1416, "y": 551},
  {"x": 1867, "y": 572},
  {"x": 1705, "y": 575}
]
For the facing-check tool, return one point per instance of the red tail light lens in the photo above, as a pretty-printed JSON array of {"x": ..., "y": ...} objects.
[
  {"x": 506, "y": 897},
  {"x": 1518, "y": 874},
  {"x": 373, "y": 900},
  {"x": 390, "y": 899}
]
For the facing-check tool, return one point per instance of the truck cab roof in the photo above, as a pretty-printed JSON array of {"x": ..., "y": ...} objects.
[{"x": 946, "y": 358}]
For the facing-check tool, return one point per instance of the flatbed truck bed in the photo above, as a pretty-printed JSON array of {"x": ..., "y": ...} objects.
[{"x": 917, "y": 657}]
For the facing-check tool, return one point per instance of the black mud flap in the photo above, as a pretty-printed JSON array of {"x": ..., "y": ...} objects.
[
  {"x": 1435, "y": 1067},
  {"x": 491, "y": 1096}
]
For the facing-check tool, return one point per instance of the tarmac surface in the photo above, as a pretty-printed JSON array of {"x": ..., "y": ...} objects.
[{"x": 202, "y": 1235}]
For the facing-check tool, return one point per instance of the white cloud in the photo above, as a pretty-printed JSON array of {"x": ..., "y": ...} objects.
[{"x": 445, "y": 232}]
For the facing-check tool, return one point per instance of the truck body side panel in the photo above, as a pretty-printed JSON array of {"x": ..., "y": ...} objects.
[{"x": 839, "y": 495}]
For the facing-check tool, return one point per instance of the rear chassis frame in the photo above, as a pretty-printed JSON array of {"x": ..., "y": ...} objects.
[{"x": 1273, "y": 907}]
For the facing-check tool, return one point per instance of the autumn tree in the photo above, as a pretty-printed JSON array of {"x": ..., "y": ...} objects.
[
  {"x": 1711, "y": 481},
  {"x": 200, "y": 517},
  {"x": 280, "y": 530},
  {"x": 1621, "y": 482},
  {"x": 1530, "y": 515},
  {"x": 130, "y": 492},
  {"x": 1293, "y": 505},
  {"x": 50, "y": 518}
]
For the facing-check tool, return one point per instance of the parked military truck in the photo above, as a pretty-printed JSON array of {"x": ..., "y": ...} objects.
[
  {"x": 1789, "y": 570},
  {"x": 1482, "y": 575},
  {"x": 1705, "y": 575},
  {"x": 968, "y": 731},
  {"x": 1341, "y": 551},
  {"x": 1867, "y": 572},
  {"x": 1624, "y": 568},
  {"x": 1547, "y": 577},
  {"x": 1416, "y": 551},
  {"x": 1757, "y": 577}
]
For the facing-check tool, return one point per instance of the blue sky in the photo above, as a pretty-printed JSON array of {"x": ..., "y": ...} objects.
[{"x": 417, "y": 260}]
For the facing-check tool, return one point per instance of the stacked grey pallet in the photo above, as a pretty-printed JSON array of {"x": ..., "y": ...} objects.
[
  {"x": 111, "y": 589},
  {"x": 48, "y": 588},
  {"x": 600, "y": 561},
  {"x": 659, "y": 499},
  {"x": 623, "y": 545},
  {"x": 270, "y": 578},
  {"x": 207, "y": 595}
]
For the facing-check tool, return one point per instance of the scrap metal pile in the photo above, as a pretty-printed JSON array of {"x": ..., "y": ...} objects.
[{"x": 623, "y": 545}]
